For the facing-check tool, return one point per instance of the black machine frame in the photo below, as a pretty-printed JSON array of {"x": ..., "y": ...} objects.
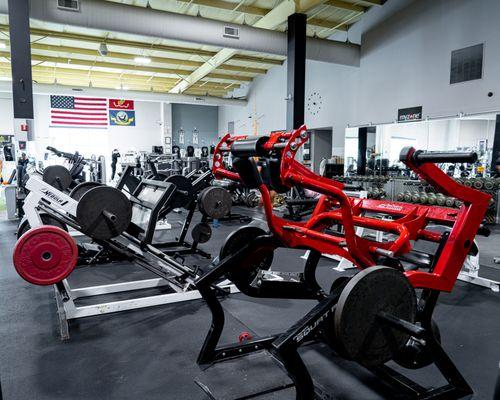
[{"x": 311, "y": 328}]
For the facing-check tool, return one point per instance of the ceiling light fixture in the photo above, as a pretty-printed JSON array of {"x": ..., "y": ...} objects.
[
  {"x": 142, "y": 60},
  {"x": 3, "y": 45}
]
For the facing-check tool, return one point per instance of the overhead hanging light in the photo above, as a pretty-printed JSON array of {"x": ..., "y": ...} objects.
[{"x": 142, "y": 60}]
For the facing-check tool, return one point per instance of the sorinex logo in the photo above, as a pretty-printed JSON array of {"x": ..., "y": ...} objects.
[
  {"x": 308, "y": 329},
  {"x": 388, "y": 206},
  {"x": 54, "y": 197}
]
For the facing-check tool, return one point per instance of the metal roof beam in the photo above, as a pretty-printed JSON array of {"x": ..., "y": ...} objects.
[
  {"x": 131, "y": 57},
  {"x": 183, "y": 51},
  {"x": 344, "y": 5},
  {"x": 126, "y": 67}
]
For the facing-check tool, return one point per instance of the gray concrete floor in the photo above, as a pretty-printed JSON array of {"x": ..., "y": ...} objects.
[{"x": 151, "y": 353}]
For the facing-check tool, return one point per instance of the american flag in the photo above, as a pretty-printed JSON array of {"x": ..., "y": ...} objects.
[{"x": 78, "y": 111}]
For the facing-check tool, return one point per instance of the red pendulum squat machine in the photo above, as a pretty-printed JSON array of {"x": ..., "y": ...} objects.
[{"x": 385, "y": 311}]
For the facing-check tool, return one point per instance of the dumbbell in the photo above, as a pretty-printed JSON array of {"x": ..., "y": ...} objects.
[
  {"x": 400, "y": 196},
  {"x": 458, "y": 203},
  {"x": 450, "y": 201},
  {"x": 440, "y": 199},
  {"x": 431, "y": 199},
  {"x": 415, "y": 197},
  {"x": 489, "y": 184},
  {"x": 478, "y": 184},
  {"x": 407, "y": 196},
  {"x": 468, "y": 182}
]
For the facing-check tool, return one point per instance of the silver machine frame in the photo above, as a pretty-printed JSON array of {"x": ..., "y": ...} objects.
[{"x": 44, "y": 197}]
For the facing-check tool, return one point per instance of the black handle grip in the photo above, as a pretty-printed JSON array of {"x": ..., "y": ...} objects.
[
  {"x": 422, "y": 157},
  {"x": 59, "y": 153}
]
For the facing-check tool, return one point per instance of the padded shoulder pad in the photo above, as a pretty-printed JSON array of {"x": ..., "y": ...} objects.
[
  {"x": 251, "y": 147},
  {"x": 274, "y": 171},
  {"x": 247, "y": 169}
]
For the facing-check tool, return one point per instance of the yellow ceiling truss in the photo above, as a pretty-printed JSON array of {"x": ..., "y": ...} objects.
[{"x": 71, "y": 57}]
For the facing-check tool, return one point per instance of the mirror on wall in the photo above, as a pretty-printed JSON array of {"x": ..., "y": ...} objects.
[{"x": 469, "y": 133}]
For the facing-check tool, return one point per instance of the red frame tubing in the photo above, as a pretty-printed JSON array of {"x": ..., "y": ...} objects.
[{"x": 334, "y": 206}]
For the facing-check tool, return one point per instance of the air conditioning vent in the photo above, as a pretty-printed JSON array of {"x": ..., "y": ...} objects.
[
  {"x": 199, "y": 99},
  {"x": 69, "y": 5},
  {"x": 231, "y": 32}
]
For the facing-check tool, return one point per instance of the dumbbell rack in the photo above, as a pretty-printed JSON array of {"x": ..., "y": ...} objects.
[{"x": 470, "y": 271}]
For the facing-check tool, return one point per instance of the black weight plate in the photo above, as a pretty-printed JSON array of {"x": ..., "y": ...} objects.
[
  {"x": 244, "y": 273},
  {"x": 358, "y": 331},
  {"x": 57, "y": 176},
  {"x": 185, "y": 191},
  {"x": 47, "y": 219},
  {"x": 417, "y": 354},
  {"x": 252, "y": 200},
  {"x": 215, "y": 202},
  {"x": 103, "y": 212},
  {"x": 79, "y": 190},
  {"x": 201, "y": 232}
]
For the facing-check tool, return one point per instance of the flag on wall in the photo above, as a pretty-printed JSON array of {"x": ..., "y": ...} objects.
[
  {"x": 121, "y": 112},
  {"x": 121, "y": 104},
  {"x": 74, "y": 111},
  {"x": 122, "y": 117}
]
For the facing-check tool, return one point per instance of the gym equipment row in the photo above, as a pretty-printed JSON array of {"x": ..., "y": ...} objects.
[
  {"x": 371, "y": 318},
  {"x": 383, "y": 313},
  {"x": 121, "y": 226}
]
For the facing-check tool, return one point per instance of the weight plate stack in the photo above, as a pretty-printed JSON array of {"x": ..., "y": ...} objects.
[
  {"x": 243, "y": 274},
  {"x": 358, "y": 329},
  {"x": 57, "y": 176},
  {"x": 215, "y": 202},
  {"x": 45, "y": 255},
  {"x": 79, "y": 190},
  {"x": 104, "y": 212}
]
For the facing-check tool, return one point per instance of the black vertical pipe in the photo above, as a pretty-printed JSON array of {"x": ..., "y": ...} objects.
[
  {"x": 496, "y": 144},
  {"x": 362, "y": 144},
  {"x": 296, "y": 70},
  {"x": 20, "y": 58}
]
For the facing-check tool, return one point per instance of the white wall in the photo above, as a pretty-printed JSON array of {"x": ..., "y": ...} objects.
[
  {"x": 146, "y": 133},
  {"x": 6, "y": 116},
  {"x": 405, "y": 60},
  {"x": 267, "y": 104}
]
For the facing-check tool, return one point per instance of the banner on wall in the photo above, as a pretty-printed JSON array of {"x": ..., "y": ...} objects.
[
  {"x": 121, "y": 112},
  {"x": 121, "y": 104},
  {"x": 122, "y": 118}
]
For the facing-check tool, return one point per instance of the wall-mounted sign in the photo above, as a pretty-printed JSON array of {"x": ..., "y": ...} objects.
[{"x": 410, "y": 114}]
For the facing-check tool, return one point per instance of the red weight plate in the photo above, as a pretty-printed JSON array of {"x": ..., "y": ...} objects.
[{"x": 45, "y": 255}]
